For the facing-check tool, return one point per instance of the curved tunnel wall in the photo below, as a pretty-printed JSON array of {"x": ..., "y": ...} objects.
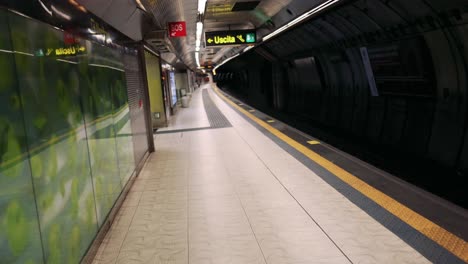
[
  {"x": 66, "y": 141},
  {"x": 314, "y": 76}
]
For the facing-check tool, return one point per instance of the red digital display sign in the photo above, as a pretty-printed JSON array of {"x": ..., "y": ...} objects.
[{"x": 177, "y": 29}]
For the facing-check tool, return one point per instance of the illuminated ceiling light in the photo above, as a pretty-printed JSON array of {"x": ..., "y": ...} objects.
[
  {"x": 301, "y": 18},
  {"x": 199, "y": 29},
  {"x": 197, "y": 58},
  {"x": 140, "y": 5},
  {"x": 45, "y": 7},
  {"x": 198, "y": 36},
  {"x": 201, "y": 6},
  {"x": 61, "y": 13}
]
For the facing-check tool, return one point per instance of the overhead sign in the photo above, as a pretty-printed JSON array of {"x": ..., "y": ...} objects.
[
  {"x": 234, "y": 37},
  {"x": 177, "y": 29}
]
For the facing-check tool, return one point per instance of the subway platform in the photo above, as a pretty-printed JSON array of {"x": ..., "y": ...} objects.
[{"x": 228, "y": 184}]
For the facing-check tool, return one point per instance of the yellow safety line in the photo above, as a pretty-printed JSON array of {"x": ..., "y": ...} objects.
[{"x": 436, "y": 233}]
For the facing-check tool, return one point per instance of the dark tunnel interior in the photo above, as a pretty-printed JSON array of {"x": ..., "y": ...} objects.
[{"x": 385, "y": 81}]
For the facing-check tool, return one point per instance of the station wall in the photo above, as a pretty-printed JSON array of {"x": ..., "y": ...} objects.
[{"x": 66, "y": 141}]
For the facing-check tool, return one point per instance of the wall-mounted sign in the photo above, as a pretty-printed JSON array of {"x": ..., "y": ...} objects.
[
  {"x": 234, "y": 37},
  {"x": 177, "y": 29}
]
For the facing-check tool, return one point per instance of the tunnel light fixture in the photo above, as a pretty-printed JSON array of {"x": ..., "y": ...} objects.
[
  {"x": 301, "y": 18},
  {"x": 248, "y": 48},
  {"x": 225, "y": 61},
  {"x": 201, "y": 6}
]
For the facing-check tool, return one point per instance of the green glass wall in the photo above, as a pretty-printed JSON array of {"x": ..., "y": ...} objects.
[{"x": 66, "y": 147}]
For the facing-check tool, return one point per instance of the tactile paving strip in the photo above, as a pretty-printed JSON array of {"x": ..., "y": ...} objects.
[{"x": 215, "y": 116}]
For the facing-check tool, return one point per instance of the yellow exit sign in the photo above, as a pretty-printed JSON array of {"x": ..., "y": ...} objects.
[{"x": 235, "y": 37}]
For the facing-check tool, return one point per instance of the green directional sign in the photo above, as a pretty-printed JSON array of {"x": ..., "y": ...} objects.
[{"x": 232, "y": 37}]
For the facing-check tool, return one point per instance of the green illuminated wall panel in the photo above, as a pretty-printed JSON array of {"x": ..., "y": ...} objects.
[
  {"x": 66, "y": 143},
  {"x": 100, "y": 76},
  {"x": 50, "y": 89},
  {"x": 19, "y": 227}
]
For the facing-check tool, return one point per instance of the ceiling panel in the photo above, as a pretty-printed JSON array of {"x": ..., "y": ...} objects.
[{"x": 221, "y": 16}]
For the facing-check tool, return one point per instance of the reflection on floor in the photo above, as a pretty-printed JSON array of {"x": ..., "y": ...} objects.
[
  {"x": 189, "y": 118},
  {"x": 231, "y": 195}
]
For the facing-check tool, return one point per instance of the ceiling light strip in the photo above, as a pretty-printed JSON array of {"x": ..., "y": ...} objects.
[
  {"x": 301, "y": 18},
  {"x": 201, "y": 6}
]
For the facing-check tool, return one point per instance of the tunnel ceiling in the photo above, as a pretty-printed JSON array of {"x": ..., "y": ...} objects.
[
  {"x": 128, "y": 16},
  {"x": 219, "y": 15},
  {"x": 359, "y": 17},
  {"x": 358, "y": 24}
]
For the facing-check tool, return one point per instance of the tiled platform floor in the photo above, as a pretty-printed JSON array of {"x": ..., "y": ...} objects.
[{"x": 233, "y": 196}]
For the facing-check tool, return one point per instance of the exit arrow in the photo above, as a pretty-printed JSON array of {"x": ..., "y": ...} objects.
[
  {"x": 210, "y": 40},
  {"x": 241, "y": 38}
]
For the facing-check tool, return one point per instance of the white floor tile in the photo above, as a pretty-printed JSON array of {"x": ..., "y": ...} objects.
[{"x": 232, "y": 195}]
